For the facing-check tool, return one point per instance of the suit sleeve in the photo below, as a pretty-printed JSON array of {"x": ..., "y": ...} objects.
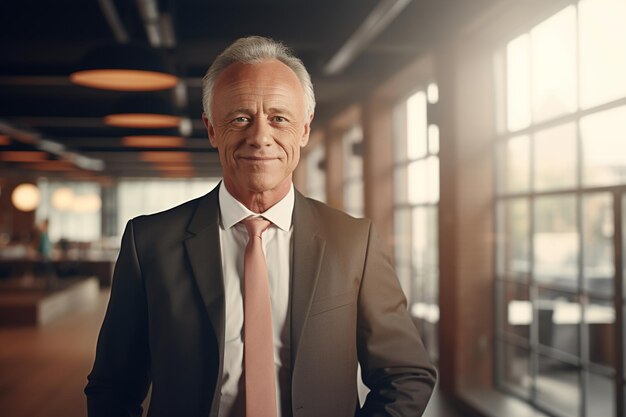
[
  {"x": 119, "y": 380},
  {"x": 394, "y": 363}
]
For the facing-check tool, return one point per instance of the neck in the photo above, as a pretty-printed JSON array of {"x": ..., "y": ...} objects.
[{"x": 258, "y": 201}]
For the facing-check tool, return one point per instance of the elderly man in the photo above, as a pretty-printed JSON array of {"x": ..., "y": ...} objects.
[{"x": 253, "y": 300}]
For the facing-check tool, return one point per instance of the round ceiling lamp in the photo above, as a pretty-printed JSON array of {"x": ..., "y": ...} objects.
[
  {"x": 165, "y": 156},
  {"x": 124, "y": 67},
  {"x": 23, "y": 156},
  {"x": 87, "y": 203},
  {"x": 26, "y": 197},
  {"x": 52, "y": 165},
  {"x": 142, "y": 120},
  {"x": 153, "y": 141},
  {"x": 143, "y": 111},
  {"x": 62, "y": 198}
]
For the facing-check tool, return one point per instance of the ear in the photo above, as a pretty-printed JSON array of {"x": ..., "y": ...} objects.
[
  {"x": 210, "y": 129},
  {"x": 307, "y": 132}
]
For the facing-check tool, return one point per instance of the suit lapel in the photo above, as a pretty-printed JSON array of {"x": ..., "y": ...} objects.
[
  {"x": 308, "y": 251},
  {"x": 204, "y": 254}
]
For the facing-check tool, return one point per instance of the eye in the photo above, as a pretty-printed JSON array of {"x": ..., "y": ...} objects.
[
  {"x": 241, "y": 120},
  {"x": 279, "y": 119}
]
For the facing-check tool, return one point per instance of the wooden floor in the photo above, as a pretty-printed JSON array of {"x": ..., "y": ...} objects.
[{"x": 43, "y": 370}]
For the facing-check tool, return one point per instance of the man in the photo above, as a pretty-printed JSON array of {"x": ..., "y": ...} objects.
[{"x": 187, "y": 315}]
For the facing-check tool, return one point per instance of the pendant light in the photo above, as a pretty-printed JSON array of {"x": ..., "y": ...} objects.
[
  {"x": 154, "y": 138},
  {"x": 148, "y": 110},
  {"x": 165, "y": 156},
  {"x": 23, "y": 156},
  {"x": 26, "y": 197},
  {"x": 124, "y": 67}
]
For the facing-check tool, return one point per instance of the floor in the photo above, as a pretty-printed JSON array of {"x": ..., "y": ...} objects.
[{"x": 43, "y": 370}]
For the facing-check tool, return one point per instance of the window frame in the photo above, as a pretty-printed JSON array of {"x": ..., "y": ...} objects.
[
  {"x": 579, "y": 191},
  {"x": 404, "y": 208}
]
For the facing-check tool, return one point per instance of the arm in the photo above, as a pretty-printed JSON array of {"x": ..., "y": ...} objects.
[
  {"x": 120, "y": 378},
  {"x": 394, "y": 363}
]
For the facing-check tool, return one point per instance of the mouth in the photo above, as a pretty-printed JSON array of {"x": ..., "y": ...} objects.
[{"x": 258, "y": 158}]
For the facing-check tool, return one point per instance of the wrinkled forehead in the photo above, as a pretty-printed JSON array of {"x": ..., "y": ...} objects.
[
  {"x": 266, "y": 78},
  {"x": 269, "y": 71}
]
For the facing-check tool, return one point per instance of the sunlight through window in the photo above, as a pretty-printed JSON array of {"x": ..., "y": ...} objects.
[
  {"x": 553, "y": 45},
  {"x": 518, "y": 83},
  {"x": 602, "y": 37}
]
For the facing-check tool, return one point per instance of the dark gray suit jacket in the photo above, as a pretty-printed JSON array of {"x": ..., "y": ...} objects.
[{"x": 165, "y": 320}]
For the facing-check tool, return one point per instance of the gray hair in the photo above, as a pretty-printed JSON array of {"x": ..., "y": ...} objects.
[{"x": 252, "y": 50}]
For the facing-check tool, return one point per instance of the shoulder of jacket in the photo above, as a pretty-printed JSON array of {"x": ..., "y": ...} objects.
[
  {"x": 179, "y": 213},
  {"x": 335, "y": 222}
]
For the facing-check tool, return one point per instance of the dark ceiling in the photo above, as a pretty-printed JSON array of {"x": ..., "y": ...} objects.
[{"x": 42, "y": 42}]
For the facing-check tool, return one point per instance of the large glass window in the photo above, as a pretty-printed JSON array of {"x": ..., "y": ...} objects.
[
  {"x": 72, "y": 208},
  {"x": 352, "y": 151},
  {"x": 316, "y": 173},
  {"x": 137, "y": 197},
  {"x": 416, "y": 198},
  {"x": 560, "y": 194}
]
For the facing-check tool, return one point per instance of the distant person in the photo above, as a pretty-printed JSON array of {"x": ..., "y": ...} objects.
[
  {"x": 253, "y": 300},
  {"x": 44, "y": 246},
  {"x": 45, "y": 267}
]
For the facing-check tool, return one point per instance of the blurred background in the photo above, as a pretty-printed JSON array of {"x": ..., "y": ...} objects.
[{"x": 486, "y": 139}]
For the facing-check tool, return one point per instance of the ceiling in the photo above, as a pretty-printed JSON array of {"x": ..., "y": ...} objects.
[{"x": 42, "y": 42}]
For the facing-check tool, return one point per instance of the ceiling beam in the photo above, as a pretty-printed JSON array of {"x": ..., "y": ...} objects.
[
  {"x": 378, "y": 20},
  {"x": 35, "y": 81},
  {"x": 55, "y": 121},
  {"x": 51, "y": 147},
  {"x": 113, "y": 19}
]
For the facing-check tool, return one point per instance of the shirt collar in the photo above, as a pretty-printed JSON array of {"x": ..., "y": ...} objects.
[{"x": 232, "y": 211}]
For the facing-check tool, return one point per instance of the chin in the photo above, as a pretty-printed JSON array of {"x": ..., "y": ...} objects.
[{"x": 261, "y": 185}]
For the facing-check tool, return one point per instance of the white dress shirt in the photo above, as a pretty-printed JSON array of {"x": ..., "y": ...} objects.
[{"x": 277, "y": 246}]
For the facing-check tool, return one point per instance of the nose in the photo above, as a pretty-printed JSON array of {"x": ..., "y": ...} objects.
[{"x": 259, "y": 134}]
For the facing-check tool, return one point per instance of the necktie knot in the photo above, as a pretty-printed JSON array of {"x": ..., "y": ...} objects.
[{"x": 256, "y": 226}]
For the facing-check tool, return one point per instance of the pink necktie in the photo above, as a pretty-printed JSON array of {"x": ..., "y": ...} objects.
[{"x": 258, "y": 341}]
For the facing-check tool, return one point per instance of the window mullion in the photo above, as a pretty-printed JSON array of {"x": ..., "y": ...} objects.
[{"x": 618, "y": 236}]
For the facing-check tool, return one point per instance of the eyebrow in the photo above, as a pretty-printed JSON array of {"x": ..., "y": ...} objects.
[
  {"x": 271, "y": 110},
  {"x": 281, "y": 110},
  {"x": 244, "y": 110}
]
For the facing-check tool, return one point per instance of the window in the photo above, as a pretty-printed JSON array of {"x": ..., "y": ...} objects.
[
  {"x": 352, "y": 150},
  {"x": 73, "y": 209},
  {"x": 416, "y": 197},
  {"x": 137, "y": 197},
  {"x": 561, "y": 153},
  {"x": 315, "y": 173}
]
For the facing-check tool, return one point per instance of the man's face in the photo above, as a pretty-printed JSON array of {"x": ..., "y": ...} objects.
[{"x": 258, "y": 125}]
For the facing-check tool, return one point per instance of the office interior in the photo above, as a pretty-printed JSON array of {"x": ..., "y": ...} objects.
[{"x": 486, "y": 140}]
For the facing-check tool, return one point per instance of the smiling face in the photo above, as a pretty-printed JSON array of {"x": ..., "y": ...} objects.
[{"x": 258, "y": 125}]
